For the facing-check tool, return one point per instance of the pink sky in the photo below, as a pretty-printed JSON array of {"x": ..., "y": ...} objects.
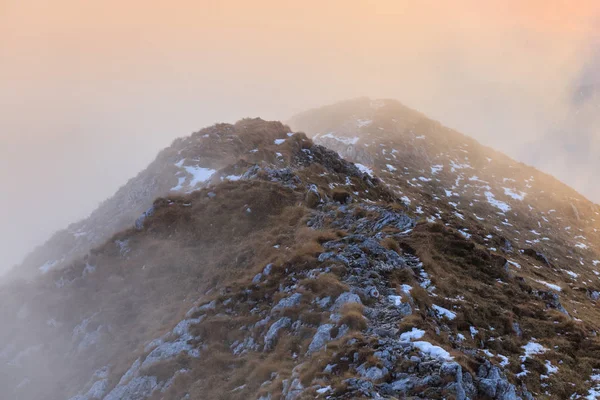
[{"x": 91, "y": 90}]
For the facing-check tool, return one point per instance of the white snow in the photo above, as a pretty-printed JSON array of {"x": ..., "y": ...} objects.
[
  {"x": 433, "y": 351},
  {"x": 405, "y": 200},
  {"x": 179, "y": 185},
  {"x": 415, "y": 333},
  {"x": 515, "y": 194},
  {"x": 391, "y": 168},
  {"x": 581, "y": 245},
  {"x": 199, "y": 174},
  {"x": 550, "y": 285},
  {"x": 550, "y": 369},
  {"x": 324, "y": 390},
  {"x": 233, "y": 177},
  {"x": 454, "y": 166},
  {"x": 502, "y": 206},
  {"x": 364, "y": 169},
  {"x": 474, "y": 331},
  {"x": 464, "y": 233},
  {"x": 571, "y": 273},
  {"x": 436, "y": 168},
  {"x": 504, "y": 361},
  {"x": 444, "y": 312},
  {"x": 396, "y": 300},
  {"x": 278, "y": 141},
  {"x": 532, "y": 348}
]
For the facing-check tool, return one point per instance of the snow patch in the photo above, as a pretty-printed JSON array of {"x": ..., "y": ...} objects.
[
  {"x": 515, "y": 194},
  {"x": 415, "y": 333},
  {"x": 444, "y": 312},
  {"x": 364, "y": 169},
  {"x": 502, "y": 206}
]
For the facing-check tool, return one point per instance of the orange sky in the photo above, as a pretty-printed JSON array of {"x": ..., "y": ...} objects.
[{"x": 91, "y": 90}]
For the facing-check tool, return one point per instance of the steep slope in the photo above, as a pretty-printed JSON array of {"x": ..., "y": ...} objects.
[
  {"x": 96, "y": 313},
  {"x": 187, "y": 165},
  {"x": 546, "y": 232},
  {"x": 422, "y": 266}
]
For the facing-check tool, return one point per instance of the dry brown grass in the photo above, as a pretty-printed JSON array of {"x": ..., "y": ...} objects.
[
  {"x": 352, "y": 316},
  {"x": 326, "y": 284}
]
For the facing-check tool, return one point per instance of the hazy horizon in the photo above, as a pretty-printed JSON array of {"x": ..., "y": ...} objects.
[{"x": 93, "y": 90}]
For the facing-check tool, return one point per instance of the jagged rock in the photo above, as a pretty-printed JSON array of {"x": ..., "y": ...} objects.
[
  {"x": 139, "y": 223},
  {"x": 313, "y": 197},
  {"x": 538, "y": 256},
  {"x": 271, "y": 336},
  {"x": 288, "y": 302},
  {"x": 324, "y": 302},
  {"x": 267, "y": 269},
  {"x": 241, "y": 347},
  {"x": 323, "y": 336},
  {"x": 404, "y": 385},
  {"x": 345, "y": 298},
  {"x": 372, "y": 373},
  {"x": 293, "y": 388},
  {"x": 95, "y": 392},
  {"x": 137, "y": 389},
  {"x": 493, "y": 384},
  {"x": 553, "y": 301},
  {"x": 463, "y": 383}
]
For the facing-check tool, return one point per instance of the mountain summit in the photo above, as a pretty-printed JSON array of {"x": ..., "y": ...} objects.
[{"x": 362, "y": 251}]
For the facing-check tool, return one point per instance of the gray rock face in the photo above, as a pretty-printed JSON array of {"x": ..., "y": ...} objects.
[
  {"x": 139, "y": 223},
  {"x": 345, "y": 298},
  {"x": 493, "y": 384},
  {"x": 321, "y": 338},
  {"x": 271, "y": 336},
  {"x": 553, "y": 301},
  {"x": 267, "y": 270},
  {"x": 292, "y": 388},
  {"x": 97, "y": 390},
  {"x": 463, "y": 383},
  {"x": 288, "y": 302},
  {"x": 137, "y": 389},
  {"x": 169, "y": 349},
  {"x": 372, "y": 373}
]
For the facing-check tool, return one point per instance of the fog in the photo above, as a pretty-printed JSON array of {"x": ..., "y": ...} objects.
[{"x": 90, "y": 91}]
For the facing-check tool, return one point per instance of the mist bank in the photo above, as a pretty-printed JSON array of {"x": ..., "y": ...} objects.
[{"x": 92, "y": 91}]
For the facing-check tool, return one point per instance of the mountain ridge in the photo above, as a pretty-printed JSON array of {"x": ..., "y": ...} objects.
[{"x": 408, "y": 261}]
